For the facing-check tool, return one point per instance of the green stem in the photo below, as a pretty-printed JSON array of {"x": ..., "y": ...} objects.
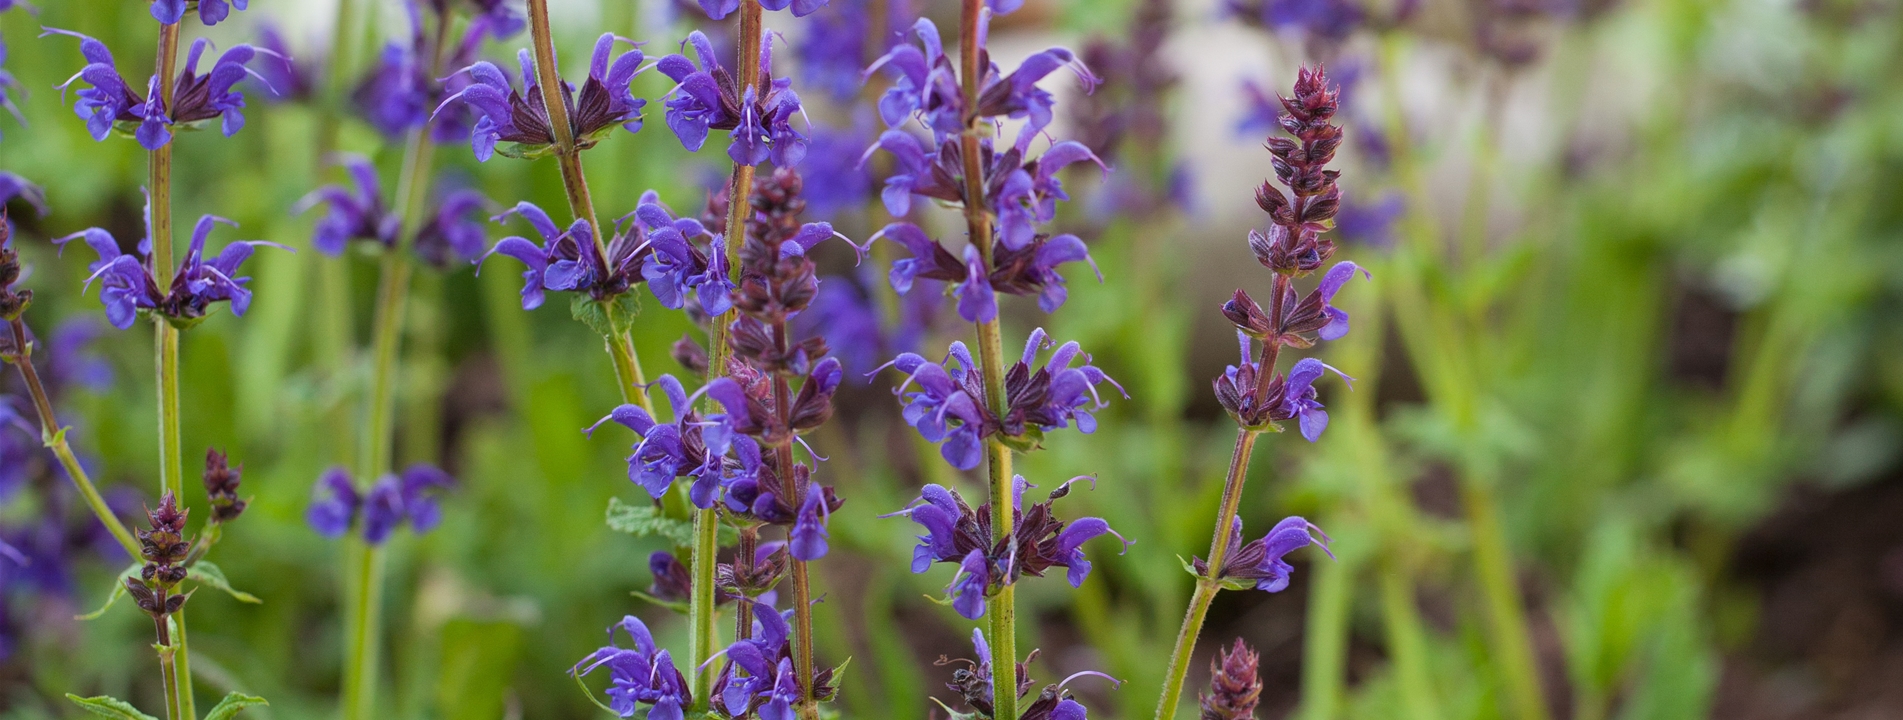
[
  {"x": 1001, "y": 607},
  {"x": 701, "y": 611},
  {"x": 365, "y": 562},
  {"x": 1506, "y": 619},
  {"x": 334, "y": 337},
  {"x": 1207, "y": 586},
  {"x": 165, "y": 342},
  {"x": 1407, "y": 643},
  {"x": 581, "y": 202},
  {"x": 54, "y": 437},
  {"x": 168, "y": 671}
]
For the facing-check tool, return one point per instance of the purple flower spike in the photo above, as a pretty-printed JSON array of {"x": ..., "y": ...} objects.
[{"x": 334, "y": 503}]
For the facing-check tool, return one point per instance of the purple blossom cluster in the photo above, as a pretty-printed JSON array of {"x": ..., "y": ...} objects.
[
  {"x": 673, "y": 255},
  {"x": 641, "y": 675},
  {"x": 519, "y": 117},
  {"x": 112, "y": 103},
  {"x": 394, "y": 499},
  {"x": 759, "y": 118},
  {"x": 949, "y": 405},
  {"x": 769, "y": 687},
  {"x": 1259, "y": 564},
  {"x": 127, "y": 286},
  {"x": 358, "y": 212},
  {"x": 959, "y": 534}
]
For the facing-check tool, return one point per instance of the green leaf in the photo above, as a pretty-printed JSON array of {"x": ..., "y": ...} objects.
[
  {"x": 228, "y": 708},
  {"x": 112, "y": 707},
  {"x": 605, "y": 318},
  {"x": 208, "y": 574},
  {"x": 679, "y": 607},
  {"x": 525, "y": 151},
  {"x": 648, "y": 521},
  {"x": 118, "y": 591}
]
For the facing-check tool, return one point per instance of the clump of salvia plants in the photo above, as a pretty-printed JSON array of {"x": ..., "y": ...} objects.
[
  {"x": 1255, "y": 394},
  {"x": 724, "y": 462}
]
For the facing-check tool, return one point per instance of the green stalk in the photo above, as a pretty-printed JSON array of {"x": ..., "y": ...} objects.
[
  {"x": 1506, "y": 619},
  {"x": 1001, "y": 608},
  {"x": 54, "y": 437},
  {"x": 168, "y": 671},
  {"x": 701, "y": 612},
  {"x": 165, "y": 341},
  {"x": 1407, "y": 643},
  {"x": 334, "y": 338},
  {"x": 1207, "y": 586}
]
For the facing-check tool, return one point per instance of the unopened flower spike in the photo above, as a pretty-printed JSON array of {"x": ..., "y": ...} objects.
[
  {"x": 113, "y": 104},
  {"x": 1235, "y": 685}
]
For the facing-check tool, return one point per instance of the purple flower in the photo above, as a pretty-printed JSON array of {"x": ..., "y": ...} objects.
[
  {"x": 834, "y": 154},
  {"x": 355, "y": 214},
  {"x": 1255, "y": 403},
  {"x": 210, "y": 12},
  {"x": 507, "y": 115},
  {"x": 1298, "y": 399},
  {"x": 395, "y": 499},
  {"x": 1313, "y": 314},
  {"x": 807, "y": 539},
  {"x": 1370, "y": 224},
  {"x": 843, "y": 315},
  {"x": 958, "y": 533},
  {"x": 948, "y": 405},
  {"x": 127, "y": 286},
  {"x": 1028, "y": 196},
  {"x": 834, "y": 48},
  {"x": 111, "y": 102},
  {"x": 70, "y": 360},
  {"x": 1260, "y": 562},
  {"x": 452, "y": 234},
  {"x": 691, "y": 445},
  {"x": 770, "y": 686},
  {"x": 395, "y": 93},
  {"x": 13, "y": 186},
  {"x": 284, "y": 78},
  {"x": 1028, "y": 270},
  {"x": 924, "y": 82},
  {"x": 656, "y": 249},
  {"x": 641, "y": 675},
  {"x": 334, "y": 504},
  {"x": 707, "y": 97}
]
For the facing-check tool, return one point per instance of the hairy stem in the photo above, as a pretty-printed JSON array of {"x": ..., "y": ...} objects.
[
  {"x": 581, "y": 202},
  {"x": 1001, "y": 607},
  {"x": 165, "y": 340},
  {"x": 701, "y": 611},
  {"x": 1207, "y": 586},
  {"x": 54, "y": 437},
  {"x": 168, "y": 670}
]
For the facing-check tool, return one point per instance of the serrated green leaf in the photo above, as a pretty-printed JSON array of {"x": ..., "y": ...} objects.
[
  {"x": 108, "y": 706},
  {"x": 648, "y": 521},
  {"x": 606, "y": 318},
  {"x": 208, "y": 574},
  {"x": 118, "y": 591},
  {"x": 228, "y": 708},
  {"x": 955, "y": 715}
]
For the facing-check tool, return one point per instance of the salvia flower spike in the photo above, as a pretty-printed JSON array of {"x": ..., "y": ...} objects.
[
  {"x": 1235, "y": 685},
  {"x": 519, "y": 117},
  {"x": 708, "y": 97}
]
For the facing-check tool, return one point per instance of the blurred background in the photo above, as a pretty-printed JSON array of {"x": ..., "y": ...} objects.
[{"x": 1633, "y": 324}]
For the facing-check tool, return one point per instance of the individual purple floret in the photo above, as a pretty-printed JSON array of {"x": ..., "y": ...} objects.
[
  {"x": 642, "y": 675},
  {"x": 958, "y": 533},
  {"x": 507, "y": 115},
  {"x": 1259, "y": 564},
  {"x": 395, "y": 499},
  {"x": 210, "y": 12},
  {"x": 692, "y": 445},
  {"x": 127, "y": 285},
  {"x": 112, "y": 103},
  {"x": 356, "y": 213},
  {"x": 455, "y": 232},
  {"x": 706, "y": 98},
  {"x": 1029, "y": 270}
]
